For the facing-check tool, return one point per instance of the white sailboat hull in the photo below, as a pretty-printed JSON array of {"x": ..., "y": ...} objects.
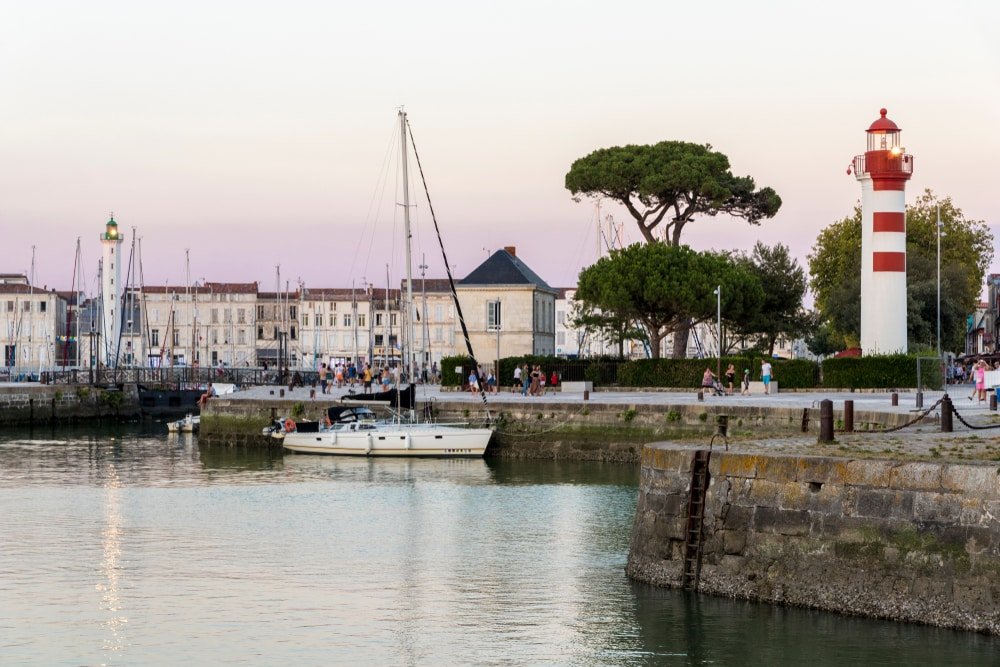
[{"x": 393, "y": 440}]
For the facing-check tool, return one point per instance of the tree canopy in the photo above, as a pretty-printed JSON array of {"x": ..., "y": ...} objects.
[
  {"x": 665, "y": 287},
  {"x": 966, "y": 253},
  {"x": 784, "y": 282},
  {"x": 670, "y": 182}
]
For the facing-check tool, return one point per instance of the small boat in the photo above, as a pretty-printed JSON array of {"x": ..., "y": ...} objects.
[
  {"x": 189, "y": 424},
  {"x": 353, "y": 430}
]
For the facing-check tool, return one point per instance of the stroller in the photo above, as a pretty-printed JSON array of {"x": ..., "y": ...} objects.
[{"x": 714, "y": 389}]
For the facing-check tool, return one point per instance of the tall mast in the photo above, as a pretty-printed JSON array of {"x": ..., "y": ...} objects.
[
  {"x": 386, "y": 349},
  {"x": 31, "y": 308},
  {"x": 354, "y": 319},
  {"x": 406, "y": 231},
  {"x": 425, "y": 345},
  {"x": 187, "y": 288}
]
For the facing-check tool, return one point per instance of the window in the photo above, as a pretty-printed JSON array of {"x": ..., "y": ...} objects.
[
  {"x": 378, "y": 319},
  {"x": 41, "y": 307},
  {"x": 156, "y": 315},
  {"x": 561, "y": 338},
  {"x": 392, "y": 319},
  {"x": 305, "y": 319},
  {"x": 260, "y": 333},
  {"x": 241, "y": 337},
  {"x": 10, "y": 308},
  {"x": 215, "y": 336},
  {"x": 561, "y": 316},
  {"x": 177, "y": 337},
  {"x": 293, "y": 312},
  {"x": 275, "y": 333},
  {"x": 438, "y": 334},
  {"x": 378, "y": 339},
  {"x": 241, "y": 315},
  {"x": 155, "y": 337},
  {"x": 438, "y": 313},
  {"x": 260, "y": 312},
  {"x": 361, "y": 320},
  {"x": 215, "y": 316},
  {"x": 26, "y": 306},
  {"x": 493, "y": 320},
  {"x": 347, "y": 320},
  {"x": 227, "y": 315},
  {"x": 347, "y": 341},
  {"x": 293, "y": 332}
]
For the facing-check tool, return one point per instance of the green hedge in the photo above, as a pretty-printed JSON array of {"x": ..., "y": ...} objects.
[
  {"x": 791, "y": 374},
  {"x": 880, "y": 372},
  {"x": 449, "y": 378}
]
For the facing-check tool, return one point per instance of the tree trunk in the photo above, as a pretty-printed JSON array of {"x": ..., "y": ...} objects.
[
  {"x": 681, "y": 341},
  {"x": 655, "y": 338}
]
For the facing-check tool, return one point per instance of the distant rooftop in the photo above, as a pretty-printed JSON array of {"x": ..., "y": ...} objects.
[{"x": 504, "y": 268}]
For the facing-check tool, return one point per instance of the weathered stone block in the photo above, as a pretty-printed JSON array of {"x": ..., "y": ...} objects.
[
  {"x": 883, "y": 504},
  {"x": 916, "y": 476},
  {"x": 734, "y": 541},
  {"x": 782, "y": 522},
  {"x": 982, "y": 481},
  {"x": 868, "y": 472},
  {"x": 737, "y": 517},
  {"x": 936, "y": 507}
]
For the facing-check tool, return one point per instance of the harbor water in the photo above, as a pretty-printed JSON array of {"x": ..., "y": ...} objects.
[{"x": 126, "y": 546}]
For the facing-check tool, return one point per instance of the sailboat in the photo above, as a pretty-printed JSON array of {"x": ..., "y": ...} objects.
[{"x": 355, "y": 431}]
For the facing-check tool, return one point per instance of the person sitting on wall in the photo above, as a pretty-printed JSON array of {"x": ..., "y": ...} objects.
[{"x": 209, "y": 393}]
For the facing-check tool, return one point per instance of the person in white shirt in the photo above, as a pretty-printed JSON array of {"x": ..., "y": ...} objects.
[{"x": 765, "y": 373}]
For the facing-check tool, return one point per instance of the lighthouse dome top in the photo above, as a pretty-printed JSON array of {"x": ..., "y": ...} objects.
[
  {"x": 883, "y": 124},
  {"x": 111, "y": 230}
]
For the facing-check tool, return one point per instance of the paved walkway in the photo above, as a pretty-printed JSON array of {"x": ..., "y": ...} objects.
[{"x": 880, "y": 402}]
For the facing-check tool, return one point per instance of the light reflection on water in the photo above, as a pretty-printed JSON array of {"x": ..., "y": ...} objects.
[{"x": 208, "y": 556}]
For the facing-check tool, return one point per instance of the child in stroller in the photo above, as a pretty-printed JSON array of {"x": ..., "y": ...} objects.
[{"x": 710, "y": 382}]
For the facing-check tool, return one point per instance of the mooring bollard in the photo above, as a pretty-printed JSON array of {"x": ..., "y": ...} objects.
[
  {"x": 826, "y": 420},
  {"x": 281, "y": 393},
  {"x": 312, "y": 393},
  {"x": 993, "y": 401},
  {"x": 895, "y": 399},
  {"x": 586, "y": 395},
  {"x": 849, "y": 416},
  {"x": 946, "y": 414},
  {"x": 701, "y": 395},
  {"x": 920, "y": 399}
]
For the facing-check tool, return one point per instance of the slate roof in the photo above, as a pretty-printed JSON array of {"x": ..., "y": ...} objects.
[{"x": 503, "y": 268}]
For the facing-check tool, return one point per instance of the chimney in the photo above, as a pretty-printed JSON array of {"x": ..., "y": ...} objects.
[{"x": 511, "y": 249}]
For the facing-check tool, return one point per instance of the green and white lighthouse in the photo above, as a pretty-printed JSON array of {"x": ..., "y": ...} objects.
[{"x": 111, "y": 292}]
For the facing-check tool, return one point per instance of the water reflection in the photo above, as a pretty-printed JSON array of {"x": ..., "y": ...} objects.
[
  {"x": 111, "y": 542},
  {"x": 359, "y": 561}
]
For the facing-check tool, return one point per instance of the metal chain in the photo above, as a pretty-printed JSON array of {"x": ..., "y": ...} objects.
[
  {"x": 972, "y": 426},
  {"x": 913, "y": 421}
]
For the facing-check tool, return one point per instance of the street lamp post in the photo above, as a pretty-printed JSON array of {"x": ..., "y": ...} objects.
[
  {"x": 718, "y": 314},
  {"x": 944, "y": 375}
]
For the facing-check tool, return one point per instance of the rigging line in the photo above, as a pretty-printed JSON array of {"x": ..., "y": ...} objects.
[
  {"x": 378, "y": 194},
  {"x": 514, "y": 434},
  {"x": 451, "y": 279}
]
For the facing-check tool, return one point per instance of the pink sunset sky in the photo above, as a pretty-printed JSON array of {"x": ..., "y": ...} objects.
[{"x": 259, "y": 133}]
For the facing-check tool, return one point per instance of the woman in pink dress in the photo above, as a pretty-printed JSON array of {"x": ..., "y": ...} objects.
[{"x": 980, "y": 376}]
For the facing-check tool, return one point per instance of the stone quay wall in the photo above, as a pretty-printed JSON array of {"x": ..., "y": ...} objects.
[
  {"x": 45, "y": 404},
  {"x": 583, "y": 431},
  {"x": 908, "y": 541}
]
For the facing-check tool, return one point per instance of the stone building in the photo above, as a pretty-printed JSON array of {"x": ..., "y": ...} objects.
[
  {"x": 508, "y": 308},
  {"x": 33, "y": 321}
]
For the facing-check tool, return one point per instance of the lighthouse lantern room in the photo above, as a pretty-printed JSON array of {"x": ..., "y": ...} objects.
[{"x": 883, "y": 171}]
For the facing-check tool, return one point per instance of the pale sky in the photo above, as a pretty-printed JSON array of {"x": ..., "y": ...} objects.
[{"x": 256, "y": 133}]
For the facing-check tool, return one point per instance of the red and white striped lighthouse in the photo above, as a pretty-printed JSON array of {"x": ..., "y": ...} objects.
[{"x": 883, "y": 171}]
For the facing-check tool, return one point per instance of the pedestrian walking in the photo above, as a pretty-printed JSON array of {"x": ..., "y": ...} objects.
[
  {"x": 765, "y": 375},
  {"x": 730, "y": 379}
]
